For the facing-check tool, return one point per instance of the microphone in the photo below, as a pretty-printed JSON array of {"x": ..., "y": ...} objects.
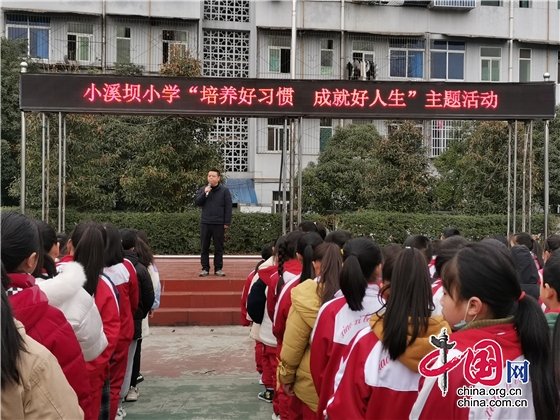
[{"x": 209, "y": 185}]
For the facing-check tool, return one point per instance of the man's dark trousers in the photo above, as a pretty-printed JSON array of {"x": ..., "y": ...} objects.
[{"x": 215, "y": 232}]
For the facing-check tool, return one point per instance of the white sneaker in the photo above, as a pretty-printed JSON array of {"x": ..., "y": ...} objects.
[
  {"x": 260, "y": 380},
  {"x": 132, "y": 395},
  {"x": 121, "y": 414},
  {"x": 275, "y": 416}
]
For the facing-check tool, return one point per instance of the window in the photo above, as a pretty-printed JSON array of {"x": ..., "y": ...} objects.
[
  {"x": 407, "y": 58},
  {"x": 497, "y": 3},
  {"x": 36, "y": 29},
  {"x": 325, "y": 133},
  {"x": 174, "y": 44},
  {"x": 327, "y": 55},
  {"x": 362, "y": 66},
  {"x": 444, "y": 132},
  {"x": 448, "y": 60},
  {"x": 525, "y": 4},
  {"x": 123, "y": 44},
  {"x": 279, "y": 55},
  {"x": 276, "y": 134},
  {"x": 80, "y": 41},
  {"x": 490, "y": 64},
  {"x": 524, "y": 65}
]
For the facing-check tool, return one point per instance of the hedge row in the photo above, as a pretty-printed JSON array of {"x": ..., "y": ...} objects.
[{"x": 178, "y": 233}]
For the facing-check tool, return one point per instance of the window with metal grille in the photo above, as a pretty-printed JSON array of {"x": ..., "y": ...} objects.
[
  {"x": 36, "y": 29},
  {"x": 226, "y": 10},
  {"x": 276, "y": 135},
  {"x": 325, "y": 132},
  {"x": 80, "y": 41},
  {"x": 174, "y": 44},
  {"x": 407, "y": 58},
  {"x": 327, "y": 57},
  {"x": 123, "y": 44}
]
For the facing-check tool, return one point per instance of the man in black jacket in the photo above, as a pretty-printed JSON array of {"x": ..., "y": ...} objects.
[{"x": 215, "y": 200}]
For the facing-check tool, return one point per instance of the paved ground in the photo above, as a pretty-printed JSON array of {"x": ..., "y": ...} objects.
[{"x": 198, "y": 373}]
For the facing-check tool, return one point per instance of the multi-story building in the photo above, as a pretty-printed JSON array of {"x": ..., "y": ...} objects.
[{"x": 436, "y": 40}]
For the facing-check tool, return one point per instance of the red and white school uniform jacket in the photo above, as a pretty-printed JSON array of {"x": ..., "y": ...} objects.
[
  {"x": 371, "y": 385},
  {"x": 432, "y": 266},
  {"x": 120, "y": 276},
  {"x": 334, "y": 330},
  {"x": 245, "y": 319},
  {"x": 283, "y": 305},
  {"x": 437, "y": 293},
  {"x": 292, "y": 268},
  {"x": 432, "y": 405}
]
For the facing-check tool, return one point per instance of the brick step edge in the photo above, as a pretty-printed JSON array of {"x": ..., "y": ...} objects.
[
  {"x": 188, "y": 293},
  {"x": 196, "y": 316}
]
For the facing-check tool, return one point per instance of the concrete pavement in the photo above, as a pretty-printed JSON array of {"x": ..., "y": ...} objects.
[{"x": 198, "y": 373}]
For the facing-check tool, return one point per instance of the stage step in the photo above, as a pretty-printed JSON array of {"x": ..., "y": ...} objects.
[{"x": 187, "y": 299}]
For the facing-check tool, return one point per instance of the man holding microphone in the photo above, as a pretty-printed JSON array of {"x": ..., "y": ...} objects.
[{"x": 215, "y": 200}]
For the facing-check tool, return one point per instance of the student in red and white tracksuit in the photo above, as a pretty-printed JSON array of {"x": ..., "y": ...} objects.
[
  {"x": 87, "y": 246},
  {"x": 341, "y": 319},
  {"x": 127, "y": 286},
  {"x": 379, "y": 378},
  {"x": 483, "y": 300}
]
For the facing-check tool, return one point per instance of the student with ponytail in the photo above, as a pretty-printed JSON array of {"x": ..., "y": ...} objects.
[
  {"x": 342, "y": 318},
  {"x": 87, "y": 246},
  {"x": 379, "y": 378},
  {"x": 290, "y": 271},
  {"x": 307, "y": 297},
  {"x": 483, "y": 299},
  {"x": 66, "y": 293},
  {"x": 21, "y": 245}
]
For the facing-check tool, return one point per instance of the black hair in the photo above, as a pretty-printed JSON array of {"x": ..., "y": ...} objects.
[
  {"x": 556, "y": 353},
  {"x": 436, "y": 243},
  {"x": 339, "y": 237},
  {"x": 114, "y": 252},
  {"x": 421, "y": 243},
  {"x": 144, "y": 253},
  {"x": 390, "y": 253},
  {"x": 502, "y": 239},
  {"x": 495, "y": 242},
  {"x": 128, "y": 238},
  {"x": 552, "y": 243},
  {"x": 286, "y": 252},
  {"x": 331, "y": 264},
  {"x": 527, "y": 240},
  {"x": 361, "y": 257},
  {"x": 62, "y": 239},
  {"x": 11, "y": 342},
  {"x": 143, "y": 235},
  {"x": 551, "y": 272},
  {"x": 316, "y": 227},
  {"x": 447, "y": 250},
  {"x": 266, "y": 253},
  {"x": 20, "y": 239},
  {"x": 305, "y": 247},
  {"x": 490, "y": 273},
  {"x": 48, "y": 238},
  {"x": 88, "y": 240},
  {"x": 215, "y": 170},
  {"x": 448, "y": 232},
  {"x": 410, "y": 302}
]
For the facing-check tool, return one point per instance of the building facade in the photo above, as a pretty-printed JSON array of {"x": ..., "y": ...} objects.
[{"x": 437, "y": 40}]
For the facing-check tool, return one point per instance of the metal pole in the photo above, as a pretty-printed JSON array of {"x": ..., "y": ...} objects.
[
  {"x": 23, "y": 69},
  {"x": 64, "y": 178},
  {"x": 43, "y": 140},
  {"x": 523, "y": 202},
  {"x": 59, "y": 171},
  {"x": 23, "y": 151},
  {"x": 530, "y": 210},
  {"x": 47, "y": 204},
  {"x": 515, "y": 178},
  {"x": 292, "y": 171},
  {"x": 546, "y": 197},
  {"x": 300, "y": 164},
  {"x": 284, "y": 157},
  {"x": 509, "y": 183},
  {"x": 293, "y": 42}
]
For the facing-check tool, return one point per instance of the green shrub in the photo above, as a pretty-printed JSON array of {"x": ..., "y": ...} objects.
[{"x": 178, "y": 233}]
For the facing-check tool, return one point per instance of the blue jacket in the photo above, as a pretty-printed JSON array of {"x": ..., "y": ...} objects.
[{"x": 216, "y": 206}]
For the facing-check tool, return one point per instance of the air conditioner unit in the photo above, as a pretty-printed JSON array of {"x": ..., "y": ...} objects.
[{"x": 452, "y": 4}]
